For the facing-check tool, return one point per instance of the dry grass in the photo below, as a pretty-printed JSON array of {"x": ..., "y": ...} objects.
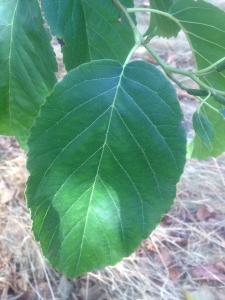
[{"x": 185, "y": 254}]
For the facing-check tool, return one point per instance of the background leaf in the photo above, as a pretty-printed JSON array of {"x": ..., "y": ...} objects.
[
  {"x": 27, "y": 65},
  {"x": 67, "y": 22},
  {"x": 204, "y": 25},
  {"x": 203, "y": 129},
  {"x": 222, "y": 111},
  {"x": 160, "y": 25},
  {"x": 89, "y": 29},
  {"x": 105, "y": 156}
]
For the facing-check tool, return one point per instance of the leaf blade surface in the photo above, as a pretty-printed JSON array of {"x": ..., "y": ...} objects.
[
  {"x": 161, "y": 25},
  {"x": 90, "y": 30},
  {"x": 27, "y": 66},
  {"x": 104, "y": 166}
]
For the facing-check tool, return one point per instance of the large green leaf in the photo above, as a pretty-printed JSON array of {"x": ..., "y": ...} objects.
[
  {"x": 161, "y": 25},
  {"x": 204, "y": 25},
  {"x": 105, "y": 156},
  {"x": 27, "y": 66},
  {"x": 89, "y": 29}
]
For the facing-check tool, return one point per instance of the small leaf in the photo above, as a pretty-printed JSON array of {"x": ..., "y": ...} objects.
[
  {"x": 27, "y": 65},
  {"x": 203, "y": 129},
  {"x": 161, "y": 25},
  {"x": 105, "y": 156}
]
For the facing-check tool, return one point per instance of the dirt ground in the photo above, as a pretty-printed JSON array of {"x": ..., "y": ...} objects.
[{"x": 183, "y": 259}]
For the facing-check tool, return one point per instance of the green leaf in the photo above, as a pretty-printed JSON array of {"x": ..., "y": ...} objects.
[
  {"x": 219, "y": 98},
  {"x": 222, "y": 111},
  {"x": 105, "y": 156},
  {"x": 161, "y": 25},
  {"x": 220, "y": 67},
  {"x": 204, "y": 25},
  {"x": 203, "y": 129},
  {"x": 27, "y": 65},
  {"x": 67, "y": 22},
  {"x": 89, "y": 29}
]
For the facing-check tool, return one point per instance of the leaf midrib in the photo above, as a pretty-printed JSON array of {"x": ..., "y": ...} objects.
[{"x": 99, "y": 165}]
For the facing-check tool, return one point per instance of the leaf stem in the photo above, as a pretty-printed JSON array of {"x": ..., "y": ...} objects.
[
  {"x": 169, "y": 70},
  {"x": 137, "y": 36},
  {"x": 204, "y": 101},
  {"x": 156, "y": 11},
  {"x": 193, "y": 75},
  {"x": 205, "y": 71},
  {"x": 129, "y": 56},
  {"x": 164, "y": 65},
  {"x": 211, "y": 68},
  {"x": 178, "y": 83}
]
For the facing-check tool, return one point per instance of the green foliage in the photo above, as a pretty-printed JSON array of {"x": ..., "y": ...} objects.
[
  {"x": 161, "y": 25},
  {"x": 103, "y": 163},
  {"x": 90, "y": 30},
  {"x": 67, "y": 22},
  {"x": 222, "y": 111},
  {"x": 203, "y": 129},
  {"x": 27, "y": 66},
  {"x": 204, "y": 25},
  {"x": 220, "y": 99},
  {"x": 107, "y": 148},
  {"x": 221, "y": 67}
]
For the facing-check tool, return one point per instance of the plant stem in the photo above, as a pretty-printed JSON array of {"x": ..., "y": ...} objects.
[
  {"x": 156, "y": 11},
  {"x": 137, "y": 36},
  {"x": 131, "y": 54},
  {"x": 178, "y": 83},
  {"x": 211, "y": 68},
  {"x": 204, "y": 101},
  {"x": 193, "y": 75},
  {"x": 170, "y": 70},
  {"x": 205, "y": 71},
  {"x": 164, "y": 65}
]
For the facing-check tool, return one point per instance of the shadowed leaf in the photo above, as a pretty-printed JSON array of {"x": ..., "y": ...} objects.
[
  {"x": 89, "y": 29},
  {"x": 203, "y": 129},
  {"x": 27, "y": 65},
  {"x": 204, "y": 25},
  {"x": 161, "y": 25}
]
